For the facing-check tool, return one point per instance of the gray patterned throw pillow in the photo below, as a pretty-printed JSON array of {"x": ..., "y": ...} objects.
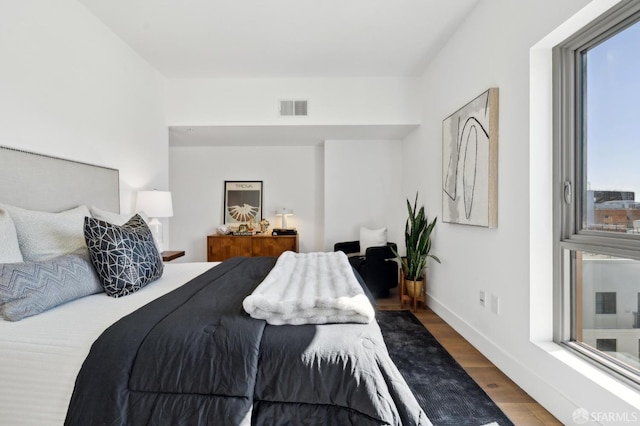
[
  {"x": 125, "y": 257},
  {"x": 29, "y": 288}
]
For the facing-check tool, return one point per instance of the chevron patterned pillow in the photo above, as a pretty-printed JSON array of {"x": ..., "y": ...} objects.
[
  {"x": 125, "y": 257},
  {"x": 29, "y": 288}
]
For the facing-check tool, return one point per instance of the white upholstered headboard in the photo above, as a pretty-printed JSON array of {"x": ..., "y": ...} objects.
[{"x": 41, "y": 182}]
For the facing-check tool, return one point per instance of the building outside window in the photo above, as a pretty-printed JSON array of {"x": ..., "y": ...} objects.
[{"x": 598, "y": 205}]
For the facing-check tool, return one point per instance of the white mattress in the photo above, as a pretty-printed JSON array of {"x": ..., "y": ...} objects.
[{"x": 41, "y": 356}]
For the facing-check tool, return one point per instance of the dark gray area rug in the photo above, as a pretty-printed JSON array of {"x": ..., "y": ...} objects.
[{"x": 446, "y": 393}]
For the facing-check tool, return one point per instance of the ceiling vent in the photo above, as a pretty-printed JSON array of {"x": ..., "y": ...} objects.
[{"x": 293, "y": 108}]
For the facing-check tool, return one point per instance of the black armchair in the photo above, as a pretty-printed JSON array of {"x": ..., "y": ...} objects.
[{"x": 377, "y": 267}]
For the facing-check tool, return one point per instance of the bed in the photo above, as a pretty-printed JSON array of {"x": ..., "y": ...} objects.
[{"x": 182, "y": 350}]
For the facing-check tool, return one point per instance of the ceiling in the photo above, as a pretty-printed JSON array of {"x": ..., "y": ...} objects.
[{"x": 282, "y": 39}]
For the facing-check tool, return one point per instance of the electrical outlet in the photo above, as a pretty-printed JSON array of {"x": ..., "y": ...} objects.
[
  {"x": 482, "y": 296},
  {"x": 495, "y": 304}
]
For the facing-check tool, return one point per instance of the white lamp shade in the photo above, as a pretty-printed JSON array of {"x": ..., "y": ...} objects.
[
  {"x": 155, "y": 203},
  {"x": 284, "y": 212}
]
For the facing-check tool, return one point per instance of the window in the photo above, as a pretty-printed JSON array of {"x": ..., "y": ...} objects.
[
  {"x": 597, "y": 272},
  {"x": 606, "y": 345},
  {"x": 605, "y": 302}
]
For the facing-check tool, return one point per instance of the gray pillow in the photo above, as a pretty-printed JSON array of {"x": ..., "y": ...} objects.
[
  {"x": 30, "y": 288},
  {"x": 9, "y": 247},
  {"x": 44, "y": 235},
  {"x": 125, "y": 257}
]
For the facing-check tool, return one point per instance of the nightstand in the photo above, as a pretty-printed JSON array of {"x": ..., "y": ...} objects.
[{"x": 168, "y": 256}]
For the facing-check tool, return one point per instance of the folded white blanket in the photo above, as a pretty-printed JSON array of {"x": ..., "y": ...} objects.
[{"x": 310, "y": 288}]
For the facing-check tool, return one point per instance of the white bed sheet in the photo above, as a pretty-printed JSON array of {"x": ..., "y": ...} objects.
[{"x": 41, "y": 356}]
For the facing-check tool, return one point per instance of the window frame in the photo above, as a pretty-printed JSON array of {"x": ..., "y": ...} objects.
[{"x": 569, "y": 189}]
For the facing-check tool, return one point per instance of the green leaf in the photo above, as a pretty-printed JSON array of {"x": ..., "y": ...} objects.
[{"x": 417, "y": 236}]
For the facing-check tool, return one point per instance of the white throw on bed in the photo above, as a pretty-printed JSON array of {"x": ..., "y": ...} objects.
[{"x": 310, "y": 288}]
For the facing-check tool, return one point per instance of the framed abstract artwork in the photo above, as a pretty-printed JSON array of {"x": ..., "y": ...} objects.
[
  {"x": 242, "y": 201},
  {"x": 470, "y": 163}
]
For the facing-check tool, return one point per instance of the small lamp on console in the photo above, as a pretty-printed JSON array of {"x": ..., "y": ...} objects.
[
  {"x": 155, "y": 204},
  {"x": 284, "y": 212}
]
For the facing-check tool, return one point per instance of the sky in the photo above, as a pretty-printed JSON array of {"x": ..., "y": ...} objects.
[{"x": 613, "y": 113}]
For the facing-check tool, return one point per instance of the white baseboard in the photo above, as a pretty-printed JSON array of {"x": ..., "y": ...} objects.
[{"x": 540, "y": 390}]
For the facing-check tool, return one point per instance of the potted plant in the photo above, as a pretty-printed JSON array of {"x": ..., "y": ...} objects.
[{"x": 417, "y": 238}]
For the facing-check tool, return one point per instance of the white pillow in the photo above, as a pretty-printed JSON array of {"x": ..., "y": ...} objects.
[
  {"x": 114, "y": 218},
  {"x": 372, "y": 238},
  {"x": 44, "y": 235},
  {"x": 119, "y": 219},
  {"x": 9, "y": 247}
]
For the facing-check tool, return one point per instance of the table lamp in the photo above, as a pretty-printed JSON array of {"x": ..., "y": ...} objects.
[
  {"x": 155, "y": 204},
  {"x": 284, "y": 212}
]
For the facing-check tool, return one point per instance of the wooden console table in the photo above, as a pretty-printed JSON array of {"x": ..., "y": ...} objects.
[{"x": 223, "y": 247}]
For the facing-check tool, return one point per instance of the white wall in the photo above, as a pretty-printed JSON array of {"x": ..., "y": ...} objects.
[
  {"x": 332, "y": 101},
  {"x": 292, "y": 178},
  {"x": 333, "y": 188},
  {"x": 360, "y": 180},
  {"x": 70, "y": 88},
  {"x": 491, "y": 49},
  {"x": 362, "y": 188}
]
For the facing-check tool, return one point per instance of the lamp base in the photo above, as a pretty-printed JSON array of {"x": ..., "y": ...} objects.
[{"x": 156, "y": 230}]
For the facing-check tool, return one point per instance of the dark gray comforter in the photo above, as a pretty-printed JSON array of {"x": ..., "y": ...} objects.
[{"x": 194, "y": 357}]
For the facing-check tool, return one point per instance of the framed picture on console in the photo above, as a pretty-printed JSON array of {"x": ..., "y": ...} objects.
[{"x": 242, "y": 201}]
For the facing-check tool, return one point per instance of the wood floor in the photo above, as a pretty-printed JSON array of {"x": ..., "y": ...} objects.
[{"x": 514, "y": 402}]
